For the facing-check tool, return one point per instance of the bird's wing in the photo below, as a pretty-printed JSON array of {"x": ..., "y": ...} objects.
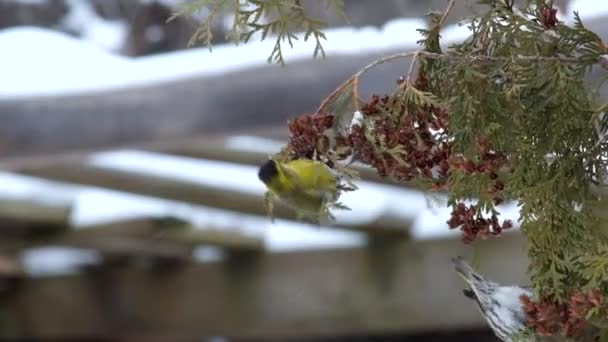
[{"x": 315, "y": 181}]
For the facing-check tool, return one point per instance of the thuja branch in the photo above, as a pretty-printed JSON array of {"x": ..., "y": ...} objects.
[
  {"x": 354, "y": 79},
  {"x": 479, "y": 121}
]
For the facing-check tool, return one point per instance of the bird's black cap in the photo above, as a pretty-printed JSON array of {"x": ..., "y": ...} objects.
[{"x": 268, "y": 171}]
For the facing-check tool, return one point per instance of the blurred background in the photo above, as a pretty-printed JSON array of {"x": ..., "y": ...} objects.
[{"x": 130, "y": 206}]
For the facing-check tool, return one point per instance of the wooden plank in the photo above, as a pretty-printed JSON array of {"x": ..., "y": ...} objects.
[
  {"x": 143, "y": 236},
  {"x": 244, "y": 99},
  {"x": 211, "y": 147},
  {"x": 23, "y": 216},
  {"x": 191, "y": 192},
  {"x": 408, "y": 288},
  {"x": 10, "y": 267},
  {"x": 171, "y": 229},
  {"x": 124, "y": 247},
  {"x": 15, "y": 162}
]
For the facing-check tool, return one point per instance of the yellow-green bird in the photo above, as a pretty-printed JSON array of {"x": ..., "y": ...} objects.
[{"x": 303, "y": 184}]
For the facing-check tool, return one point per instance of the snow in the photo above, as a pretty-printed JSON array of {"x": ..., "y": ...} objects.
[
  {"x": 254, "y": 144},
  {"x": 73, "y": 66},
  {"x": 588, "y": 9},
  {"x": 67, "y": 63},
  {"x": 52, "y": 260},
  {"x": 82, "y": 19}
]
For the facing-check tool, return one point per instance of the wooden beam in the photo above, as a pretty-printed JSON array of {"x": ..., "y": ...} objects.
[
  {"x": 143, "y": 236},
  {"x": 191, "y": 192},
  {"x": 211, "y": 147},
  {"x": 10, "y": 267},
  {"x": 24, "y": 216},
  {"x": 174, "y": 230},
  {"x": 411, "y": 289},
  {"x": 180, "y": 108},
  {"x": 10, "y": 163}
]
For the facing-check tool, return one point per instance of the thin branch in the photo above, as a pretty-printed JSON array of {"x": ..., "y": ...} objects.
[
  {"x": 602, "y": 61},
  {"x": 335, "y": 93},
  {"x": 356, "y": 93},
  {"x": 355, "y": 78},
  {"x": 408, "y": 79},
  {"x": 446, "y": 12},
  {"x": 384, "y": 60}
]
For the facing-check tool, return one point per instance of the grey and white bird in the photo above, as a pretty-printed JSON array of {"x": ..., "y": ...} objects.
[{"x": 501, "y": 307}]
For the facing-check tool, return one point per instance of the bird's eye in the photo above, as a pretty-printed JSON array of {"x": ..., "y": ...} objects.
[{"x": 469, "y": 293}]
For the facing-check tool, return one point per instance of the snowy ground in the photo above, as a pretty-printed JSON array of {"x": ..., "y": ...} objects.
[{"x": 40, "y": 62}]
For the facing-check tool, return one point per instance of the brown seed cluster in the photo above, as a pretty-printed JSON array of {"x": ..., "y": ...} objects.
[
  {"x": 473, "y": 224},
  {"x": 547, "y": 317},
  {"x": 412, "y": 144},
  {"x": 490, "y": 162},
  {"x": 548, "y": 16},
  {"x": 469, "y": 219},
  {"x": 307, "y": 135},
  {"x": 415, "y": 142}
]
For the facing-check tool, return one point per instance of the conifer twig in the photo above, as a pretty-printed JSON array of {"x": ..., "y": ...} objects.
[
  {"x": 337, "y": 92},
  {"x": 602, "y": 61},
  {"x": 447, "y": 11},
  {"x": 408, "y": 79},
  {"x": 354, "y": 79}
]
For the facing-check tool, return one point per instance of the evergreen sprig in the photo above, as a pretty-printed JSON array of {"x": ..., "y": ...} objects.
[{"x": 282, "y": 19}]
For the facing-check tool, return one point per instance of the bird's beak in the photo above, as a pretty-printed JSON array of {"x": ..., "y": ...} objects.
[{"x": 464, "y": 270}]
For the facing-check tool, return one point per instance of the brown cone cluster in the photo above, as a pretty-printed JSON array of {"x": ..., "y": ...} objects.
[
  {"x": 406, "y": 146},
  {"x": 547, "y": 317}
]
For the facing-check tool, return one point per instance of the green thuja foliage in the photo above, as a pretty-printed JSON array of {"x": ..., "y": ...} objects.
[
  {"x": 516, "y": 92},
  {"x": 281, "y": 19},
  {"x": 542, "y": 115}
]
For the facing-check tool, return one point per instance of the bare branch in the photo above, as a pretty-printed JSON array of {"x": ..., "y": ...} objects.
[{"x": 446, "y": 12}]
